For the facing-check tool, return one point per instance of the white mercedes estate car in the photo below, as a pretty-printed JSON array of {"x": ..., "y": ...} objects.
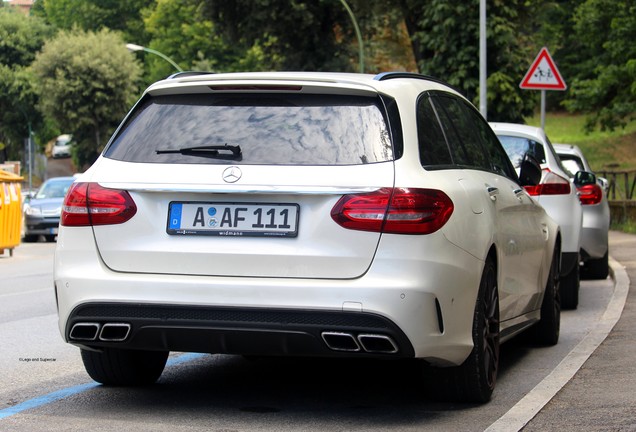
[
  {"x": 556, "y": 193},
  {"x": 306, "y": 214}
]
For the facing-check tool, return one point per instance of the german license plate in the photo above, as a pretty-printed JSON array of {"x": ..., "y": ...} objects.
[{"x": 233, "y": 219}]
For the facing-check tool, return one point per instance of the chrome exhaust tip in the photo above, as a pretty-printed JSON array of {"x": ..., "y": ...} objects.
[
  {"x": 374, "y": 343},
  {"x": 84, "y": 331},
  {"x": 114, "y": 332},
  {"x": 338, "y": 341}
]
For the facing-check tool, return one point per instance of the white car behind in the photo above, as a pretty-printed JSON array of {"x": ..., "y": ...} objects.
[{"x": 556, "y": 193}]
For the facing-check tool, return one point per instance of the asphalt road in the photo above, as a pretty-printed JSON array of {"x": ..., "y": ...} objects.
[
  {"x": 44, "y": 386},
  {"x": 59, "y": 167}
]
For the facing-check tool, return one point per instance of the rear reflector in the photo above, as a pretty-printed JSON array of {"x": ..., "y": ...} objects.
[
  {"x": 590, "y": 194},
  {"x": 394, "y": 211},
  {"x": 551, "y": 184},
  {"x": 89, "y": 204}
]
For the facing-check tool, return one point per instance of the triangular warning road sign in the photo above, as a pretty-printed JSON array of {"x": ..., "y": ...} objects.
[{"x": 543, "y": 74}]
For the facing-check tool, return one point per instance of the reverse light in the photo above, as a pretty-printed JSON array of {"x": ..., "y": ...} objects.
[
  {"x": 394, "y": 211},
  {"x": 590, "y": 194},
  {"x": 89, "y": 204},
  {"x": 551, "y": 184}
]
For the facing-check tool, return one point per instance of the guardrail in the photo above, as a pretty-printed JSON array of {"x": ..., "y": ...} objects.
[
  {"x": 621, "y": 184},
  {"x": 620, "y": 193}
]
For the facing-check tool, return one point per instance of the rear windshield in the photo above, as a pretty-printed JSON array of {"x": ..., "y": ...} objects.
[
  {"x": 517, "y": 147},
  {"x": 571, "y": 163},
  {"x": 271, "y": 129}
]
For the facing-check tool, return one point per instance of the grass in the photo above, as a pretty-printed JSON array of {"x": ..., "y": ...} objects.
[
  {"x": 626, "y": 227},
  {"x": 615, "y": 150},
  {"x": 604, "y": 150}
]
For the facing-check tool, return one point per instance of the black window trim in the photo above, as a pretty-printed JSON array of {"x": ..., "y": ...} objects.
[{"x": 431, "y": 95}]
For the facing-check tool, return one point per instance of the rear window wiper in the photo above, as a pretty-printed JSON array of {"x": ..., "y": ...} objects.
[{"x": 230, "y": 152}]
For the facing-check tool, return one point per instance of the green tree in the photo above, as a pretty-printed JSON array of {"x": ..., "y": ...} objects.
[
  {"x": 87, "y": 82},
  {"x": 179, "y": 30},
  {"x": 606, "y": 86},
  {"x": 20, "y": 39},
  {"x": 444, "y": 36},
  {"x": 286, "y": 34},
  {"x": 93, "y": 15}
]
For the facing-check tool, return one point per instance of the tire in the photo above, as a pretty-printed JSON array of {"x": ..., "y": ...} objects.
[
  {"x": 546, "y": 331},
  {"x": 570, "y": 289},
  {"x": 474, "y": 381},
  {"x": 30, "y": 238},
  {"x": 596, "y": 268},
  {"x": 117, "y": 367}
]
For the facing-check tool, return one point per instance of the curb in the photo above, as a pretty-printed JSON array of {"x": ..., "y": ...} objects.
[{"x": 529, "y": 406}]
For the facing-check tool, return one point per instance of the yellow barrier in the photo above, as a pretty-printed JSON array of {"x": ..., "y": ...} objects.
[{"x": 10, "y": 211}]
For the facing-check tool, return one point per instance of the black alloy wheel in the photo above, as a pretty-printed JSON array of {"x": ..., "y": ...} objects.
[
  {"x": 546, "y": 331},
  {"x": 474, "y": 380}
]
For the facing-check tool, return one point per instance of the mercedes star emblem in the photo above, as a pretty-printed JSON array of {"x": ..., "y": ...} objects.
[{"x": 232, "y": 174}]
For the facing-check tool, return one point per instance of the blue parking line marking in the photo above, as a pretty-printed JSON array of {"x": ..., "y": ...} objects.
[
  {"x": 71, "y": 391},
  {"x": 184, "y": 358},
  {"x": 46, "y": 399}
]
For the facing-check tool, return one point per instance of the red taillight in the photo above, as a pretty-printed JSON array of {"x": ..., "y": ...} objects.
[
  {"x": 89, "y": 204},
  {"x": 394, "y": 211},
  {"x": 551, "y": 184},
  {"x": 590, "y": 194}
]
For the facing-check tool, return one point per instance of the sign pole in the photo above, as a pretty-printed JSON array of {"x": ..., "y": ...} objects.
[{"x": 543, "y": 109}]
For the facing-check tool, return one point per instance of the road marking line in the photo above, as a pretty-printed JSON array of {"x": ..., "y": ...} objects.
[
  {"x": 46, "y": 399},
  {"x": 36, "y": 291},
  {"x": 71, "y": 391},
  {"x": 530, "y": 405}
]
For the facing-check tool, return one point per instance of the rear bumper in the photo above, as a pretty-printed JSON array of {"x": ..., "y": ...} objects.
[
  {"x": 235, "y": 330},
  {"x": 422, "y": 299},
  {"x": 41, "y": 226}
]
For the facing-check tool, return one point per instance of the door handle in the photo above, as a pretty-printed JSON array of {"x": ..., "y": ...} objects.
[{"x": 493, "y": 192}]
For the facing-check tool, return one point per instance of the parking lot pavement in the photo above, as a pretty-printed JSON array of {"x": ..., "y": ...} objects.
[{"x": 602, "y": 394}]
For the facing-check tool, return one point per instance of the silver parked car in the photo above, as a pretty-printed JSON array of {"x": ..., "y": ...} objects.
[
  {"x": 42, "y": 210},
  {"x": 306, "y": 214},
  {"x": 596, "y": 214}
]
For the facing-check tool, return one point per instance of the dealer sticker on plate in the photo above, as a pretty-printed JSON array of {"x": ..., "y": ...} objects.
[{"x": 233, "y": 219}]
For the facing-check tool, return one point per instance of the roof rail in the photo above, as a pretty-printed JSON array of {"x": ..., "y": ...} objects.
[
  {"x": 187, "y": 74},
  {"x": 394, "y": 75},
  {"x": 391, "y": 75}
]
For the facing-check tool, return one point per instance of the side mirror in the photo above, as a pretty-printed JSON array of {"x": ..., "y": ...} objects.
[
  {"x": 603, "y": 183},
  {"x": 530, "y": 171},
  {"x": 583, "y": 178}
]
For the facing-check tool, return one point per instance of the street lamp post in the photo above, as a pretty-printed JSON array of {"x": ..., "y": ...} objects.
[
  {"x": 358, "y": 35},
  {"x": 134, "y": 47}
]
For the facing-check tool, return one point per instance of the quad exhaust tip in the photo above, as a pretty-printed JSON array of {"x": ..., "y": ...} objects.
[
  {"x": 114, "y": 332},
  {"x": 371, "y": 343},
  {"x": 341, "y": 341},
  {"x": 84, "y": 331},
  {"x": 109, "y": 332},
  {"x": 374, "y": 343}
]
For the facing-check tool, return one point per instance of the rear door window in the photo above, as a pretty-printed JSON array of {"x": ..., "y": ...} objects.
[
  {"x": 461, "y": 133},
  {"x": 271, "y": 129},
  {"x": 434, "y": 150}
]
